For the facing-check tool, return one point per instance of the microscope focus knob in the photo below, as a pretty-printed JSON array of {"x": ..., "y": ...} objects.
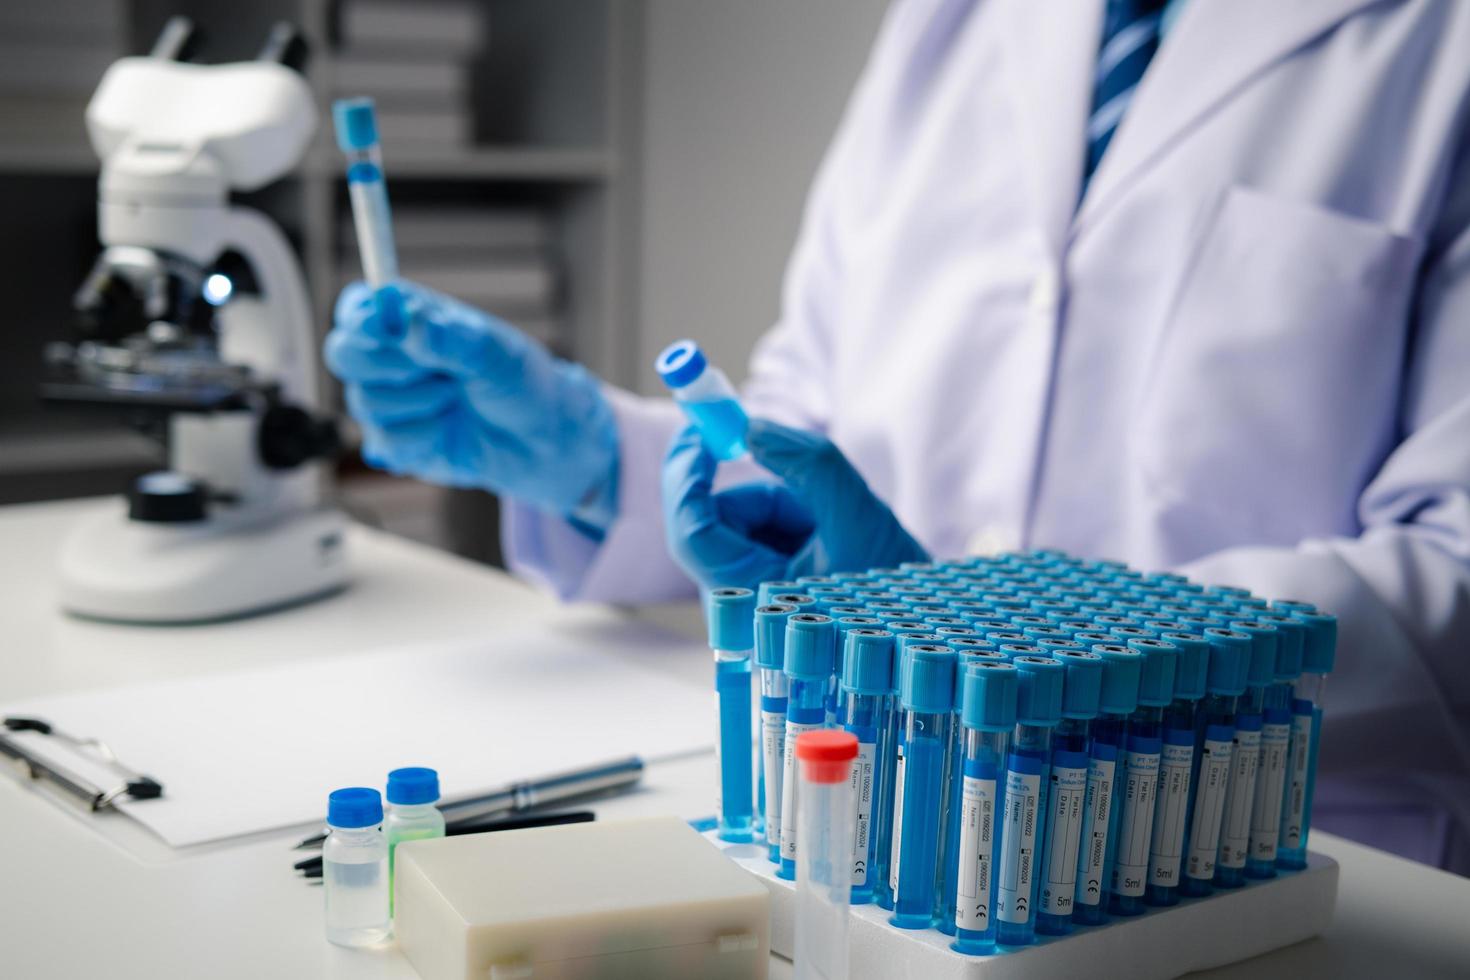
[
  {"x": 290, "y": 436},
  {"x": 166, "y": 497}
]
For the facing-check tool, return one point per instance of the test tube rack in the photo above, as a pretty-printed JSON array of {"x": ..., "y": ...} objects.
[{"x": 1197, "y": 934}]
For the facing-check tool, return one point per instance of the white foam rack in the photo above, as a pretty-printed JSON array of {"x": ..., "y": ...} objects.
[{"x": 1197, "y": 934}]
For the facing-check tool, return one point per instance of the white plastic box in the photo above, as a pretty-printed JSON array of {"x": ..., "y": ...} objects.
[{"x": 645, "y": 899}]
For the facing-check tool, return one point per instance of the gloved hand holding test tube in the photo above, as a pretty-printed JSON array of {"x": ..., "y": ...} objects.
[{"x": 357, "y": 135}]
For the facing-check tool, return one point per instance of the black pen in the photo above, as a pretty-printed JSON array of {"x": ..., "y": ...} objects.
[{"x": 312, "y": 867}]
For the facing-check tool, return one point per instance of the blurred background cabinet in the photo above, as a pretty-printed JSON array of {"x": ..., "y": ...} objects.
[{"x": 606, "y": 174}]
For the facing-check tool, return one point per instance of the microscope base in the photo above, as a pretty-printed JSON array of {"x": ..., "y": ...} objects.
[{"x": 118, "y": 569}]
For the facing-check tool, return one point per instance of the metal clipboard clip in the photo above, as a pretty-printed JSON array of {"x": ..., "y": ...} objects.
[{"x": 132, "y": 784}]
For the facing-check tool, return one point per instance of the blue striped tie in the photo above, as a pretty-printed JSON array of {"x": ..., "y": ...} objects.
[{"x": 1130, "y": 38}]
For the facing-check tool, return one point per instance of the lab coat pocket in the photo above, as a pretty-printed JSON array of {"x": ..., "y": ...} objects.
[{"x": 1272, "y": 396}]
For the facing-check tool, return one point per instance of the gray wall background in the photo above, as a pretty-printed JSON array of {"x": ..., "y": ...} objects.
[{"x": 740, "y": 98}]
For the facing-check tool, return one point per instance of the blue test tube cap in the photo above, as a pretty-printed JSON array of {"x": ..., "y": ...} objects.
[
  {"x": 928, "y": 678},
  {"x": 1291, "y": 639},
  {"x": 811, "y": 646},
  {"x": 1019, "y": 648},
  {"x": 840, "y": 613},
  {"x": 770, "y": 635},
  {"x": 1121, "y": 670},
  {"x": 801, "y": 599},
  {"x": 730, "y": 618},
  {"x": 1262, "y": 669},
  {"x": 680, "y": 364},
  {"x": 1156, "y": 678},
  {"x": 988, "y": 695},
  {"x": 951, "y": 633},
  {"x": 846, "y": 624},
  {"x": 1228, "y": 591},
  {"x": 766, "y": 592},
  {"x": 356, "y": 806},
  {"x": 1191, "y": 671},
  {"x": 1039, "y": 685},
  {"x": 1320, "y": 651},
  {"x": 867, "y": 661},
  {"x": 975, "y": 647},
  {"x": 1082, "y": 687},
  {"x": 356, "y": 124},
  {"x": 1230, "y": 657},
  {"x": 413, "y": 784}
]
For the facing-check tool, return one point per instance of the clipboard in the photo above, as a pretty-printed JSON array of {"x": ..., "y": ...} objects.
[{"x": 130, "y": 783}]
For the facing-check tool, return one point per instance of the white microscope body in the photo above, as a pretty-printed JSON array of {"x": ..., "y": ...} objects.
[{"x": 239, "y": 523}]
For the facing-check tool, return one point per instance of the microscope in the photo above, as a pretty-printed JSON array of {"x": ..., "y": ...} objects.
[{"x": 195, "y": 322}]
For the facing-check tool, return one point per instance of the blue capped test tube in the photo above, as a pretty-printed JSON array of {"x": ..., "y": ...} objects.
[
  {"x": 987, "y": 718},
  {"x": 1176, "y": 769},
  {"x": 1039, "y": 683},
  {"x": 866, "y": 710},
  {"x": 811, "y": 653},
  {"x": 730, "y": 618},
  {"x": 1318, "y": 656},
  {"x": 906, "y": 633},
  {"x": 356, "y": 126},
  {"x": 926, "y": 699},
  {"x": 706, "y": 397},
  {"x": 1276, "y": 727},
  {"x": 1240, "y": 795},
  {"x": 1214, "y": 739},
  {"x": 1067, "y": 788},
  {"x": 970, "y": 651},
  {"x": 766, "y": 592},
  {"x": 1138, "y": 782},
  {"x": 1107, "y": 745},
  {"x": 770, "y": 659}
]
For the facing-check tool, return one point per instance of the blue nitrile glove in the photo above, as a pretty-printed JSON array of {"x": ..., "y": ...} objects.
[
  {"x": 822, "y": 519},
  {"x": 466, "y": 400}
]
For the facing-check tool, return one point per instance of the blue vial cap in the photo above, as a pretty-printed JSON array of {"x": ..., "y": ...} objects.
[
  {"x": 793, "y": 599},
  {"x": 1156, "y": 679},
  {"x": 1230, "y": 658},
  {"x": 846, "y": 624},
  {"x": 951, "y": 633},
  {"x": 964, "y": 645},
  {"x": 1263, "y": 650},
  {"x": 356, "y": 806},
  {"x": 680, "y": 364},
  {"x": 1191, "y": 672},
  {"x": 1121, "y": 670},
  {"x": 1320, "y": 651},
  {"x": 867, "y": 661},
  {"x": 811, "y": 646},
  {"x": 1228, "y": 591},
  {"x": 1091, "y": 638},
  {"x": 928, "y": 678},
  {"x": 810, "y": 580},
  {"x": 730, "y": 617},
  {"x": 413, "y": 784},
  {"x": 1020, "y": 648},
  {"x": 356, "y": 124},
  {"x": 988, "y": 695},
  {"x": 840, "y": 613},
  {"x": 1290, "y": 606},
  {"x": 766, "y": 593},
  {"x": 1082, "y": 690},
  {"x": 770, "y": 635},
  {"x": 1039, "y": 690},
  {"x": 1291, "y": 638}
]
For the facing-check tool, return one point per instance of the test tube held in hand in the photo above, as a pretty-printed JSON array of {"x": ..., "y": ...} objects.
[{"x": 357, "y": 136}]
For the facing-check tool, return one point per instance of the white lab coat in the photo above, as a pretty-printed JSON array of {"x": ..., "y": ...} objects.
[{"x": 1246, "y": 353}]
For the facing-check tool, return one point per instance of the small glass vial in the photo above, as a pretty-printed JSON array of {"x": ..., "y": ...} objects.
[
  {"x": 706, "y": 396},
  {"x": 824, "y": 861},
  {"x": 355, "y": 868},
  {"x": 412, "y": 815}
]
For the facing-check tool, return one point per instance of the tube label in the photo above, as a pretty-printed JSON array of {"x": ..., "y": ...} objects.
[
  {"x": 862, "y": 794},
  {"x": 897, "y": 823},
  {"x": 977, "y": 848},
  {"x": 1209, "y": 803},
  {"x": 1018, "y": 840},
  {"x": 1270, "y": 782},
  {"x": 1296, "y": 793},
  {"x": 788, "y": 786},
  {"x": 1097, "y": 813},
  {"x": 1241, "y": 792},
  {"x": 1064, "y": 808},
  {"x": 1166, "y": 854},
  {"x": 773, "y": 743},
  {"x": 1140, "y": 781}
]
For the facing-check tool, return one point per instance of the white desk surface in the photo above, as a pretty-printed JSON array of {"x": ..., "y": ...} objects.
[{"x": 99, "y": 896}]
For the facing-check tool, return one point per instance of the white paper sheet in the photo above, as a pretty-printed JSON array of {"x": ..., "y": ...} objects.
[{"x": 251, "y": 751}]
